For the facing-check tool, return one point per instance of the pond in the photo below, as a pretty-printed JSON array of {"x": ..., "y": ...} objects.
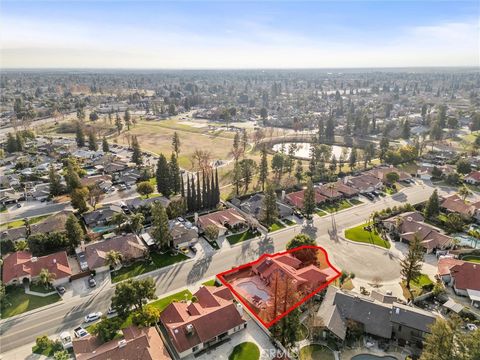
[
  {"x": 372, "y": 357},
  {"x": 303, "y": 150}
]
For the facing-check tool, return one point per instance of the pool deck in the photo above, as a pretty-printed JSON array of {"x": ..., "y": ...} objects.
[{"x": 348, "y": 354}]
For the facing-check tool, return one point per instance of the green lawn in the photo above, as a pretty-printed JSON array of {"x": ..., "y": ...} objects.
[
  {"x": 143, "y": 197},
  {"x": 290, "y": 222},
  {"x": 417, "y": 286},
  {"x": 141, "y": 267},
  {"x": 390, "y": 191},
  {"x": 471, "y": 258},
  {"x": 321, "y": 213},
  {"x": 277, "y": 225},
  {"x": 20, "y": 222},
  {"x": 41, "y": 289},
  {"x": 246, "y": 235},
  {"x": 162, "y": 303},
  {"x": 49, "y": 351},
  {"x": 209, "y": 282},
  {"x": 314, "y": 352},
  {"x": 357, "y": 233},
  {"x": 245, "y": 351},
  {"x": 355, "y": 201},
  {"x": 335, "y": 206},
  {"x": 18, "y": 302},
  {"x": 422, "y": 280}
]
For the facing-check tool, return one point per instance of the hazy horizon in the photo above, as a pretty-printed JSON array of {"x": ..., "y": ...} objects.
[{"x": 202, "y": 35}]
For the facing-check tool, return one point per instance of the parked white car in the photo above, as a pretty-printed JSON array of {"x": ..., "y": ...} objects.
[
  {"x": 471, "y": 327},
  {"x": 93, "y": 316}
]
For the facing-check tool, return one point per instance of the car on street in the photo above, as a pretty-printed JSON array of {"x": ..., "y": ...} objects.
[
  {"x": 19, "y": 205},
  {"x": 60, "y": 289},
  {"x": 80, "y": 332},
  {"x": 93, "y": 316},
  {"x": 111, "y": 311},
  {"x": 91, "y": 282}
]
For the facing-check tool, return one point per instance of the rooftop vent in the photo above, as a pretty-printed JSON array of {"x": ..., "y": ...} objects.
[{"x": 189, "y": 328}]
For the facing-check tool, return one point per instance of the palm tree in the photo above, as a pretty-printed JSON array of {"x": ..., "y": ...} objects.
[
  {"x": 46, "y": 278},
  {"x": 113, "y": 258},
  {"x": 136, "y": 222},
  {"x": 464, "y": 192}
]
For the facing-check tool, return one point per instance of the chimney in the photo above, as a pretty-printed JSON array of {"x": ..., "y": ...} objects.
[
  {"x": 240, "y": 309},
  {"x": 189, "y": 328}
]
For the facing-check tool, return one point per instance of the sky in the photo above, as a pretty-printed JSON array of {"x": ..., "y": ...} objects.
[{"x": 238, "y": 34}]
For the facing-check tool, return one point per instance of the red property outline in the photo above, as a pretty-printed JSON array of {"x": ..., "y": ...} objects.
[{"x": 221, "y": 275}]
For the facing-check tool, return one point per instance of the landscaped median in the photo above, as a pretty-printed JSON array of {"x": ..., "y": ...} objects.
[
  {"x": 156, "y": 261},
  {"x": 361, "y": 234}
]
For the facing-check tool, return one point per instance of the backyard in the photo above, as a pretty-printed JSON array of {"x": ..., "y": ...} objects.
[
  {"x": 245, "y": 351},
  {"x": 141, "y": 267},
  {"x": 17, "y": 302},
  {"x": 418, "y": 286},
  {"x": 314, "y": 352},
  {"x": 246, "y": 235},
  {"x": 359, "y": 234}
]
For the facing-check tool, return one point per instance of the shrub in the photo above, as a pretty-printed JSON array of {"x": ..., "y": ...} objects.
[{"x": 43, "y": 342}]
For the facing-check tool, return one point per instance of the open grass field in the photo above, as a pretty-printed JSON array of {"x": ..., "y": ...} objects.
[
  {"x": 245, "y": 351},
  {"x": 18, "y": 302},
  {"x": 358, "y": 233},
  {"x": 156, "y": 136}
]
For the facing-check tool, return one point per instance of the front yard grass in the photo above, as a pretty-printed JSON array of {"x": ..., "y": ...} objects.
[
  {"x": 17, "y": 302},
  {"x": 277, "y": 225},
  {"x": 335, "y": 206},
  {"x": 246, "y": 235},
  {"x": 321, "y": 212},
  {"x": 355, "y": 201},
  {"x": 290, "y": 222},
  {"x": 358, "y": 234},
  {"x": 41, "y": 289},
  {"x": 245, "y": 351},
  {"x": 20, "y": 222},
  {"x": 210, "y": 282},
  {"x": 313, "y": 352},
  {"x": 141, "y": 267}
]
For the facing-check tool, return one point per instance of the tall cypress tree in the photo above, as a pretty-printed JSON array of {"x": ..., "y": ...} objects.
[
  {"x": 164, "y": 185},
  {"x": 213, "y": 193},
  {"x": 217, "y": 188},
  {"x": 194, "y": 195},
  {"x": 189, "y": 195},
  {"x": 182, "y": 186},
  {"x": 199, "y": 193},
  {"x": 204, "y": 192}
]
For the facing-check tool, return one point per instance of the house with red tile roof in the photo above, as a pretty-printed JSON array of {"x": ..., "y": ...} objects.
[
  {"x": 223, "y": 220},
  {"x": 462, "y": 276},
  {"x": 296, "y": 198},
  {"x": 195, "y": 325},
  {"x": 472, "y": 178},
  {"x": 455, "y": 204},
  {"x": 21, "y": 265},
  {"x": 410, "y": 224},
  {"x": 136, "y": 344},
  {"x": 305, "y": 278}
]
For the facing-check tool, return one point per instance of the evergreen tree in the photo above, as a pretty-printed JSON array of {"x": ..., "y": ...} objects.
[
  {"x": 105, "y": 146},
  {"x": 263, "y": 171},
  {"x": 299, "y": 171},
  {"x": 161, "y": 231},
  {"x": 194, "y": 195},
  {"x": 20, "y": 142},
  {"x": 330, "y": 129},
  {"x": 182, "y": 187},
  {"x": 269, "y": 207},
  {"x": 384, "y": 146},
  {"x": 411, "y": 265},
  {"x": 164, "y": 185},
  {"x": 237, "y": 176},
  {"x": 118, "y": 123},
  {"x": 79, "y": 135},
  {"x": 217, "y": 188},
  {"x": 11, "y": 143},
  {"x": 199, "y": 194},
  {"x": 432, "y": 207},
  {"x": 71, "y": 178},
  {"x": 353, "y": 158},
  {"x": 92, "y": 141},
  {"x": 309, "y": 199},
  {"x": 176, "y": 143},
  {"x": 137, "y": 152},
  {"x": 175, "y": 174},
  {"x": 189, "y": 196},
  {"x": 55, "y": 181},
  {"x": 213, "y": 193},
  {"x": 406, "y": 130},
  {"x": 74, "y": 231},
  {"x": 204, "y": 191},
  {"x": 127, "y": 119}
]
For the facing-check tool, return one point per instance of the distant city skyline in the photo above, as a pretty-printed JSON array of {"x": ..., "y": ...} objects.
[{"x": 239, "y": 35}]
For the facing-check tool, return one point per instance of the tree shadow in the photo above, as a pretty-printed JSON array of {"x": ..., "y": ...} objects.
[{"x": 197, "y": 272}]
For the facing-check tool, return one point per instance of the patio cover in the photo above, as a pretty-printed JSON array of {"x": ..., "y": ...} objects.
[
  {"x": 454, "y": 306},
  {"x": 474, "y": 295}
]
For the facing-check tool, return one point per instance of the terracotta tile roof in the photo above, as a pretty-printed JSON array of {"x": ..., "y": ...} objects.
[
  {"x": 128, "y": 245},
  {"x": 474, "y": 175},
  {"x": 296, "y": 198},
  {"x": 188, "y": 325},
  {"x": 19, "y": 265},
  {"x": 454, "y": 203},
  {"x": 138, "y": 344},
  {"x": 466, "y": 276},
  {"x": 220, "y": 218},
  {"x": 445, "y": 264}
]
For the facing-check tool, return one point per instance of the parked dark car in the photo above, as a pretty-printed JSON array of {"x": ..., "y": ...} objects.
[
  {"x": 60, "y": 289},
  {"x": 91, "y": 282}
]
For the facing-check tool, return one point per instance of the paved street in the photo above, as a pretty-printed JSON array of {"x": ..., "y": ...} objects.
[
  {"x": 32, "y": 208},
  {"x": 365, "y": 261}
]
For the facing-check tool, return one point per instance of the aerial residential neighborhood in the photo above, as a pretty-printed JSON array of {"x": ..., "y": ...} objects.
[{"x": 240, "y": 180}]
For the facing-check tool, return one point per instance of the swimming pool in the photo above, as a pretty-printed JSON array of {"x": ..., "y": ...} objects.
[
  {"x": 252, "y": 289},
  {"x": 373, "y": 357},
  {"x": 467, "y": 240}
]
